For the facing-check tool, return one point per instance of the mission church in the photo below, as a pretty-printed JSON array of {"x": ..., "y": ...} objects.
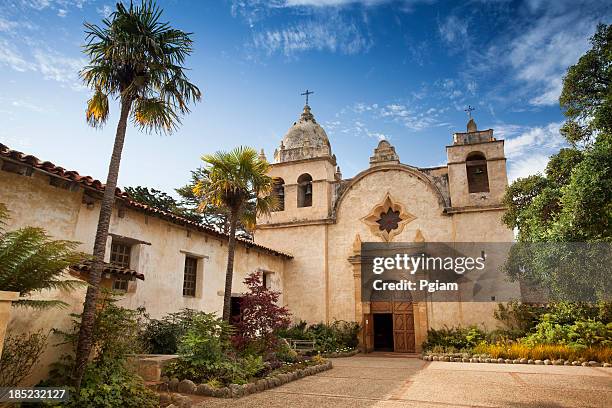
[
  {"x": 309, "y": 250},
  {"x": 324, "y": 219}
]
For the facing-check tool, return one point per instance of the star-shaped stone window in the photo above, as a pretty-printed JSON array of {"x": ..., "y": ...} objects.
[{"x": 389, "y": 220}]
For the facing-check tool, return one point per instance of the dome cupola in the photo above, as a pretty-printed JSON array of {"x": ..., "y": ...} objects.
[{"x": 306, "y": 139}]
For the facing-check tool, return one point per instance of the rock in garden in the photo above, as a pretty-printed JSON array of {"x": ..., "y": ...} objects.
[
  {"x": 261, "y": 385},
  {"x": 466, "y": 360},
  {"x": 204, "y": 389},
  {"x": 235, "y": 390},
  {"x": 575, "y": 363},
  {"x": 164, "y": 399},
  {"x": 607, "y": 365},
  {"x": 539, "y": 362},
  {"x": 186, "y": 387},
  {"x": 585, "y": 364},
  {"x": 547, "y": 362},
  {"x": 173, "y": 384},
  {"x": 593, "y": 364}
]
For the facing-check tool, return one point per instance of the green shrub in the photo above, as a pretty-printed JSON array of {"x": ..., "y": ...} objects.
[
  {"x": 582, "y": 333},
  {"x": 162, "y": 336},
  {"x": 453, "y": 338},
  {"x": 206, "y": 341},
  {"x": 19, "y": 355},
  {"x": 297, "y": 332},
  {"x": 519, "y": 318},
  {"x": 285, "y": 353},
  {"x": 108, "y": 380},
  {"x": 205, "y": 353},
  {"x": 110, "y": 384},
  {"x": 339, "y": 335}
]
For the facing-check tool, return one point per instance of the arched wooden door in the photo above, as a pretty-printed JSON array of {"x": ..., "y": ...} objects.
[
  {"x": 403, "y": 328},
  {"x": 403, "y": 325}
]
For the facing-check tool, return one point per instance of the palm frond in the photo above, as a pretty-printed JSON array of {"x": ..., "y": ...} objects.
[
  {"x": 97, "y": 109},
  {"x": 40, "y": 304},
  {"x": 151, "y": 114}
]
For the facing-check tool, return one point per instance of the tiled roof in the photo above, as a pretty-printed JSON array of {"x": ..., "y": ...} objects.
[
  {"x": 91, "y": 183},
  {"x": 85, "y": 267}
]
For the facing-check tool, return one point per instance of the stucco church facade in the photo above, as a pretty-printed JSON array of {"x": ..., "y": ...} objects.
[{"x": 324, "y": 219}]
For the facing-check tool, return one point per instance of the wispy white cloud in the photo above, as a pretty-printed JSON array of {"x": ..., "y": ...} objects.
[
  {"x": 28, "y": 105},
  {"x": 10, "y": 57},
  {"x": 105, "y": 10},
  {"x": 330, "y": 34},
  {"x": 51, "y": 65},
  {"x": 7, "y": 25},
  {"x": 529, "y": 148},
  {"x": 454, "y": 31}
]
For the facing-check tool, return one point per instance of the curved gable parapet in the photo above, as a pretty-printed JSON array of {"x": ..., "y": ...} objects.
[{"x": 438, "y": 185}]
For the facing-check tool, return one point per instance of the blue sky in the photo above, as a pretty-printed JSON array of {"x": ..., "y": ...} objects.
[{"x": 400, "y": 70}]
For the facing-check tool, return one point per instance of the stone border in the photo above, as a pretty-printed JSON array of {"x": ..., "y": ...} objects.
[
  {"x": 474, "y": 359},
  {"x": 240, "y": 390},
  {"x": 341, "y": 354}
]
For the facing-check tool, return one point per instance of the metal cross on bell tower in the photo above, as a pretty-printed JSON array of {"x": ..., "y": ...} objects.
[
  {"x": 469, "y": 110},
  {"x": 307, "y": 93}
]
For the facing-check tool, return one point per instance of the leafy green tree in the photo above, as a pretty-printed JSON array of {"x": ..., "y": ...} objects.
[
  {"x": 162, "y": 201},
  {"x": 236, "y": 181},
  {"x": 31, "y": 261},
  {"x": 587, "y": 97},
  {"x": 139, "y": 60},
  {"x": 572, "y": 201}
]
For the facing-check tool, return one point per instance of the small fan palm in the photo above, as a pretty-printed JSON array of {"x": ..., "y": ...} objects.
[
  {"x": 238, "y": 181},
  {"x": 138, "y": 60},
  {"x": 31, "y": 261}
]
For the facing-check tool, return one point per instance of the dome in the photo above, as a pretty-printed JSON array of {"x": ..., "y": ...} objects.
[
  {"x": 304, "y": 140},
  {"x": 305, "y": 132}
]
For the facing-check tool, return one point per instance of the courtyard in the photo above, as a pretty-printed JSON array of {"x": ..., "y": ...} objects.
[{"x": 394, "y": 381}]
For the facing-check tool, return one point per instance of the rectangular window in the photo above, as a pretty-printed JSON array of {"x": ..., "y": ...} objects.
[
  {"x": 264, "y": 280},
  {"x": 120, "y": 256},
  {"x": 190, "y": 276}
]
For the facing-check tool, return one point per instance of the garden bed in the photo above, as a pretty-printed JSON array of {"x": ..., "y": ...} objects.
[
  {"x": 275, "y": 379},
  {"x": 476, "y": 358}
]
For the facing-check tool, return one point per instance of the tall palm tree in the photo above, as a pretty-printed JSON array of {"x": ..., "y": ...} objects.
[
  {"x": 237, "y": 181},
  {"x": 137, "y": 59}
]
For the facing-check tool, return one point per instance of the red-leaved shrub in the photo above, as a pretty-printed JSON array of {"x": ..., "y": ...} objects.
[{"x": 260, "y": 319}]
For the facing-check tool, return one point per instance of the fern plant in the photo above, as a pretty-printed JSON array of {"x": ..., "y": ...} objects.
[{"x": 31, "y": 261}]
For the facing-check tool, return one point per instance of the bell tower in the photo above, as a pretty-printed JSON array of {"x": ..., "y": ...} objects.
[
  {"x": 305, "y": 171},
  {"x": 476, "y": 168}
]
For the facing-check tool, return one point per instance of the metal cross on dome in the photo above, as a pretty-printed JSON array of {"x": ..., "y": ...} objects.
[
  {"x": 306, "y": 94},
  {"x": 469, "y": 110}
]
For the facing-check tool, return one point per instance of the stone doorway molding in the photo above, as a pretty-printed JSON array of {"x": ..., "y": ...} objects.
[{"x": 387, "y": 204}]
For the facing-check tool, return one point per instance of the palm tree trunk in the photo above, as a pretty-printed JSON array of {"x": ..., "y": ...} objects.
[
  {"x": 106, "y": 208},
  {"x": 229, "y": 273}
]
